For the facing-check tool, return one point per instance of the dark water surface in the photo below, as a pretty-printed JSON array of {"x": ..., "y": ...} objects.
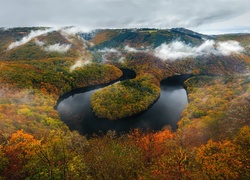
[{"x": 75, "y": 110}]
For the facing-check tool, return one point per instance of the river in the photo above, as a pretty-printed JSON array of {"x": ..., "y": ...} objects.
[{"x": 75, "y": 110}]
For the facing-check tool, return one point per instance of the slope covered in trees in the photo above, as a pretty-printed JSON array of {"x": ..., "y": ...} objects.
[
  {"x": 53, "y": 75},
  {"x": 212, "y": 141},
  {"x": 147, "y": 65},
  {"x": 125, "y": 98},
  {"x": 62, "y": 154},
  {"x": 40, "y": 43},
  {"x": 142, "y": 37},
  {"x": 133, "y": 49}
]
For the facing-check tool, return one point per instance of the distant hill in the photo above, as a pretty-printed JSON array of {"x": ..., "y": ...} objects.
[
  {"x": 39, "y": 43},
  {"x": 35, "y": 40},
  {"x": 143, "y": 37}
]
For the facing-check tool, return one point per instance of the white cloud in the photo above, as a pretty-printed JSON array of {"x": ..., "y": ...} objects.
[
  {"x": 228, "y": 47},
  {"x": 207, "y": 47},
  {"x": 174, "y": 50},
  {"x": 108, "y": 50},
  {"x": 178, "y": 50},
  {"x": 29, "y": 37},
  {"x": 39, "y": 43},
  {"x": 121, "y": 59},
  {"x": 130, "y": 49},
  {"x": 70, "y": 32},
  {"x": 73, "y": 30},
  {"x": 58, "y": 47},
  {"x": 79, "y": 63}
]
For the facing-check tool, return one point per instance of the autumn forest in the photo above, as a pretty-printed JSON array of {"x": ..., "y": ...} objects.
[{"x": 39, "y": 65}]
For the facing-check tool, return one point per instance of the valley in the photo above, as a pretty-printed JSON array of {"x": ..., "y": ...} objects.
[{"x": 40, "y": 67}]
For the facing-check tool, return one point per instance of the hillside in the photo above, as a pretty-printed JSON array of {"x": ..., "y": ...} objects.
[
  {"x": 153, "y": 54},
  {"x": 40, "y": 43},
  {"x": 39, "y": 64}
]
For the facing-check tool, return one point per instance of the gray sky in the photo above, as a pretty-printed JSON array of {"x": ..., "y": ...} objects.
[{"x": 206, "y": 16}]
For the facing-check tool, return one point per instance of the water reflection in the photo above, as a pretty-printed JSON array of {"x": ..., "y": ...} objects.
[{"x": 76, "y": 112}]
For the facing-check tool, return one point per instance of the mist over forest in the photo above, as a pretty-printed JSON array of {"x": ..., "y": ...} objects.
[{"x": 119, "y": 77}]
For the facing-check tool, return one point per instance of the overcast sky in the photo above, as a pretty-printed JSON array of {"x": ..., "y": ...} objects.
[{"x": 206, "y": 16}]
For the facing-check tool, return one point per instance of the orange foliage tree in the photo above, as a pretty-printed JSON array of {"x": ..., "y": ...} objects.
[
  {"x": 163, "y": 157},
  {"x": 20, "y": 151},
  {"x": 219, "y": 160}
]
